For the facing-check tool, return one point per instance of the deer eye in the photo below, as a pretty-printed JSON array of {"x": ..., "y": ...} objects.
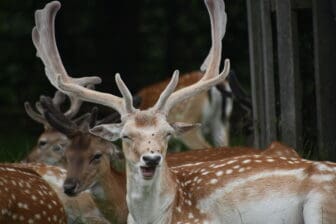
[
  {"x": 126, "y": 137},
  {"x": 169, "y": 134},
  {"x": 42, "y": 143},
  {"x": 96, "y": 157}
]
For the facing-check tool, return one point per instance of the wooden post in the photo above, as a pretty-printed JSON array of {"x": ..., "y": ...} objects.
[
  {"x": 268, "y": 72},
  {"x": 262, "y": 73},
  {"x": 325, "y": 77},
  {"x": 255, "y": 49},
  {"x": 289, "y": 80}
]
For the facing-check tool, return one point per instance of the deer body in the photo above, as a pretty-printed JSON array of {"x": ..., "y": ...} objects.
[
  {"x": 26, "y": 198},
  {"x": 246, "y": 189},
  {"x": 80, "y": 208}
]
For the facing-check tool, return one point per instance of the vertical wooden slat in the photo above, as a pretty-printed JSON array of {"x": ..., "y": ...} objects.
[
  {"x": 290, "y": 123},
  {"x": 325, "y": 77},
  {"x": 262, "y": 73},
  {"x": 268, "y": 72},
  {"x": 255, "y": 51}
]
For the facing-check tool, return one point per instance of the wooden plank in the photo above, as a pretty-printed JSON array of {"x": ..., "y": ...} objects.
[
  {"x": 268, "y": 73},
  {"x": 325, "y": 77},
  {"x": 296, "y": 4},
  {"x": 255, "y": 49},
  {"x": 290, "y": 99}
]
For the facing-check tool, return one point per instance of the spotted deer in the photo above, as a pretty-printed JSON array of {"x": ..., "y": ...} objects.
[
  {"x": 79, "y": 209},
  {"x": 90, "y": 167},
  {"x": 244, "y": 189},
  {"x": 89, "y": 164},
  {"x": 26, "y": 198}
]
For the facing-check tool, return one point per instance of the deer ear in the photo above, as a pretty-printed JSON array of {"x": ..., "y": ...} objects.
[
  {"x": 181, "y": 127},
  {"x": 109, "y": 132}
]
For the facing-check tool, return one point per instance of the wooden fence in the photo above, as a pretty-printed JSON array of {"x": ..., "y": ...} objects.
[{"x": 275, "y": 59}]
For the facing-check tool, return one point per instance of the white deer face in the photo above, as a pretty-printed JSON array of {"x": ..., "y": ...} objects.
[{"x": 145, "y": 136}]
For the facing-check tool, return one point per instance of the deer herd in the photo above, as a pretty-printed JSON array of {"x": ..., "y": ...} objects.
[{"x": 77, "y": 173}]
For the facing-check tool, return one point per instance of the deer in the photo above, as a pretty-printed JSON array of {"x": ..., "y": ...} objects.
[
  {"x": 48, "y": 16},
  {"x": 90, "y": 163},
  {"x": 79, "y": 209},
  {"x": 248, "y": 188},
  {"x": 50, "y": 143},
  {"x": 47, "y": 159},
  {"x": 26, "y": 198},
  {"x": 90, "y": 166}
]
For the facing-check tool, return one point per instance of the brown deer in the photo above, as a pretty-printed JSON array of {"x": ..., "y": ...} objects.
[
  {"x": 51, "y": 143},
  {"x": 250, "y": 188},
  {"x": 26, "y": 198},
  {"x": 50, "y": 150}
]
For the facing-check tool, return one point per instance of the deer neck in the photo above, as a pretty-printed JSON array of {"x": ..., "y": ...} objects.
[
  {"x": 110, "y": 194},
  {"x": 150, "y": 201}
]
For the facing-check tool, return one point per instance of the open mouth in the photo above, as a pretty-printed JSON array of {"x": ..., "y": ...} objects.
[{"x": 148, "y": 172}]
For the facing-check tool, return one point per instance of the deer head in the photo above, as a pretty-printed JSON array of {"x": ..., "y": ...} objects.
[
  {"x": 144, "y": 133},
  {"x": 51, "y": 143},
  {"x": 86, "y": 155}
]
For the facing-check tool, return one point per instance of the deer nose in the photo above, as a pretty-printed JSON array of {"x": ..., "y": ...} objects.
[
  {"x": 70, "y": 186},
  {"x": 151, "y": 160}
]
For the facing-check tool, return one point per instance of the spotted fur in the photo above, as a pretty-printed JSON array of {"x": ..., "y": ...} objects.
[{"x": 26, "y": 198}]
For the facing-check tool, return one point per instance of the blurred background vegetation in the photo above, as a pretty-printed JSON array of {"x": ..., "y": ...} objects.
[{"x": 144, "y": 40}]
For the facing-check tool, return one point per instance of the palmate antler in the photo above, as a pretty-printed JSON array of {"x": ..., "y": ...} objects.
[
  {"x": 168, "y": 98},
  {"x": 44, "y": 41},
  {"x": 43, "y": 35}
]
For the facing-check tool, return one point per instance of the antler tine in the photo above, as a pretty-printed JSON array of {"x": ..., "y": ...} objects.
[
  {"x": 128, "y": 99},
  {"x": 58, "y": 99},
  {"x": 168, "y": 91},
  {"x": 33, "y": 115},
  {"x": 216, "y": 9},
  {"x": 218, "y": 19},
  {"x": 43, "y": 35},
  {"x": 75, "y": 104},
  {"x": 56, "y": 118},
  {"x": 221, "y": 31}
]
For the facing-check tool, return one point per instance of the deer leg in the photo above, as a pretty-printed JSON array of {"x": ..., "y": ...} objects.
[{"x": 320, "y": 210}]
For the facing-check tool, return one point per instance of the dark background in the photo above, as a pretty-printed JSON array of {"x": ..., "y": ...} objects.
[{"x": 144, "y": 40}]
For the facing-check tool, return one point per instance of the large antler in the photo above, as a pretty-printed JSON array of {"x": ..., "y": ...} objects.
[
  {"x": 43, "y": 35},
  {"x": 169, "y": 98}
]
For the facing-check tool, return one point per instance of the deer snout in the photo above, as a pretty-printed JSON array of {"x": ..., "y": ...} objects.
[
  {"x": 151, "y": 160},
  {"x": 70, "y": 185}
]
